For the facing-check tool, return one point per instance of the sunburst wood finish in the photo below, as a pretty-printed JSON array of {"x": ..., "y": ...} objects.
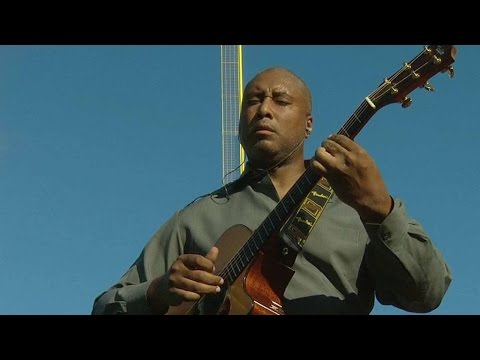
[
  {"x": 259, "y": 287},
  {"x": 268, "y": 277}
]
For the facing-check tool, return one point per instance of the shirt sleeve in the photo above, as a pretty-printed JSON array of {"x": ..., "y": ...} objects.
[
  {"x": 408, "y": 271},
  {"x": 129, "y": 294}
]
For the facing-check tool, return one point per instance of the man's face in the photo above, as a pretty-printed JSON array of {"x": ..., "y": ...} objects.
[{"x": 275, "y": 112}]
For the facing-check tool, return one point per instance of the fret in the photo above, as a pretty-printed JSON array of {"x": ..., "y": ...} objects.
[
  {"x": 312, "y": 177},
  {"x": 267, "y": 226},
  {"x": 270, "y": 220},
  {"x": 343, "y": 131},
  {"x": 356, "y": 118},
  {"x": 230, "y": 277},
  {"x": 298, "y": 194},
  {"x": 243, "y": 258},
  {"x": 272, "y": 225},
  {"x": 262, "y": 230},
  {"x": 276, "y": 213},
  {"x": 275, "y": 223},
  {"x": 298, "y": 189},
  {"x": 252, "y": 252},
  {"x": 304, "y": 182},
  {"x": 256, "y": 239},
  {"x": 237, "y": 269},
  {"x": 307, "y": 179},
  {"x": 288, "y": 201}
]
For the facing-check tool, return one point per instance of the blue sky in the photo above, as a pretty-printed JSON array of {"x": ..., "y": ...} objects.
[{"x": 99, "y": 145}]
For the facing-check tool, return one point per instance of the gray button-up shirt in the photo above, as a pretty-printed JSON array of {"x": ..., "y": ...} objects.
[{"x": 343, "y": 265}]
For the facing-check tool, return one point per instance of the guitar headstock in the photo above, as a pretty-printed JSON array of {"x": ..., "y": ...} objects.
[{"x": 414, "y": 74}]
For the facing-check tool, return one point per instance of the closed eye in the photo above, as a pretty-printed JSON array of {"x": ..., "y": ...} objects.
[
  {"x": 253, "y": 101},
  {"x": 282, "y": 102}
]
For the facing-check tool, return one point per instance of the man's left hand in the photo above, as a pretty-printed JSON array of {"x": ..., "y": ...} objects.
[{"x": 354, "y": 177}]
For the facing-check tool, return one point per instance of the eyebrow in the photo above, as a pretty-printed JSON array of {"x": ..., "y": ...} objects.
[{"x": 274, "y": 93}]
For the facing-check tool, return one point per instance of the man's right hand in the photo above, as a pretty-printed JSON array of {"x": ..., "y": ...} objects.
[{"x": 189, "y": 277}]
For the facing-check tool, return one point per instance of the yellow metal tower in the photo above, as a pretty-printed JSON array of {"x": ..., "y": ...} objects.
[{"x": 233, "y": 155}]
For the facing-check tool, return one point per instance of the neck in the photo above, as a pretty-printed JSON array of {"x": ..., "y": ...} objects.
[
  {"x": 284, "y": 176},
  {"x": 286, "y": 171}
]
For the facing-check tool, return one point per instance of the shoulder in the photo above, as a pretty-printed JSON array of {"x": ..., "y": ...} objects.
[{"x": 217, "y": 197}]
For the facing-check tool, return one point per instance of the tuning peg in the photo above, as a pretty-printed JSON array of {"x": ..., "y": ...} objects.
[
  {"x": 427, "y": 86},
  {"x": 406, "y": 102},
  {"x": 451, "y": 72}
]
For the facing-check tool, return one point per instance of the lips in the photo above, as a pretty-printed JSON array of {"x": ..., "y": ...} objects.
[{"x": 262, "y": 128}]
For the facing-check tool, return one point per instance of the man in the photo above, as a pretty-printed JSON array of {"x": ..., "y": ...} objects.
[{"x": 363, "y": 245}]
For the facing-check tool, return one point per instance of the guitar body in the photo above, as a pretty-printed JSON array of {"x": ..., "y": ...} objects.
[
  {"x": 258, "y": 290},
  {"x": 268, "y": 277}
]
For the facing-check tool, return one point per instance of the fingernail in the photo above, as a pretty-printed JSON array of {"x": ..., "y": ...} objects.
[
  {"x": 221, "y": 281},
  {"x": 217, "y": 289}
]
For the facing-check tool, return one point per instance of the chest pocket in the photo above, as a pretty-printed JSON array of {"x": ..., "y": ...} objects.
[{"x": 336, "y": 249}]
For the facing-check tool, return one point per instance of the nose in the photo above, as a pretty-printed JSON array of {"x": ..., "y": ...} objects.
[{"x": 264, "y": 110}]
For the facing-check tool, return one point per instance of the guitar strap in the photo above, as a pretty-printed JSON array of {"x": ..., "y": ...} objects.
[{"x": 299, "y": 226}]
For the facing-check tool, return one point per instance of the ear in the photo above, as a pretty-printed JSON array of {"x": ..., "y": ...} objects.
[{"x": 308, "y": 126}]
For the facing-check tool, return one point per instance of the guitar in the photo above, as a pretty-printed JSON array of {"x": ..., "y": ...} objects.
[{"x": 257, "y": 265}]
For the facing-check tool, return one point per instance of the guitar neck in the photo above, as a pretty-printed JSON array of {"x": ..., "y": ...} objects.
[{"x": 358, "y": 119}]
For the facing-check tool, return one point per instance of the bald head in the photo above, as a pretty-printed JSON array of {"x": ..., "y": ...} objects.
[{"x": 284, "y": 72}]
